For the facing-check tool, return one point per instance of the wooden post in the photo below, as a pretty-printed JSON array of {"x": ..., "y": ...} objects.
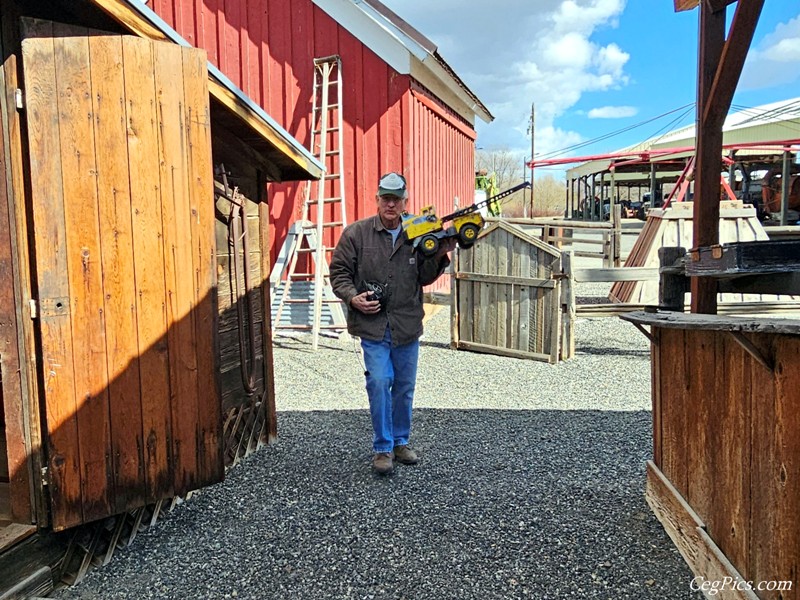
[
  {"x": 673, "y": 282},
  {"x": 720, "y": 63},
  {"x": 555, "y": 326},
  {"x": 709, "y": 147},
  {"x": 567, "y": 307},
  {"x": 454, "y": 337},
  {"x": 533, "y": 153},
  {"x": 785, "y": 176},
  {"x": 616, "y": 235}
]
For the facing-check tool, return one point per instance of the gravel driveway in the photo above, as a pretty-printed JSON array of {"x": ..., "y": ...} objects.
[{"x": 531, "y": 485}]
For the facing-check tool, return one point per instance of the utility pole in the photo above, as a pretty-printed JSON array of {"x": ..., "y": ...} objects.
[{"x": 533, "y": 127}]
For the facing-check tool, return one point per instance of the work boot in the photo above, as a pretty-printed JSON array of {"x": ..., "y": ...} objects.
[
  {"x": 405, "y": 455},
  {"x": 382, "y": 463}
]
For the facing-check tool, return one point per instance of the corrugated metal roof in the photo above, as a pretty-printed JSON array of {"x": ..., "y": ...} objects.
[
  {"x": 764, "y": 123},
  {"x": 383, "y": 31},
  {"x": 769, "y": 122}
]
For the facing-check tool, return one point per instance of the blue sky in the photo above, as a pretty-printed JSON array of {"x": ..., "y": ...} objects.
[{"x": 593, "y": 67}]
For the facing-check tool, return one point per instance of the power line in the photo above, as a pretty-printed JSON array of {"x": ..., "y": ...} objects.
[
  {"x": 793, "y": 108},
  {"x": 754, "y": 114},
  {"x": 669, "y": 126},
  {"x": 606, "y": 136}
]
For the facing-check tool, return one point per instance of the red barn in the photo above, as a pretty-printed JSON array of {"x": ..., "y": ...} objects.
[{"x": 404, "y": 108}]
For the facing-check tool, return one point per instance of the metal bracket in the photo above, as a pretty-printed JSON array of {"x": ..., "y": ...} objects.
[{"x": 54, "y": 307}]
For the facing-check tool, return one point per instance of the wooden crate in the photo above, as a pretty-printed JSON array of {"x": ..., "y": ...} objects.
[{"x": 673, "y": 226}]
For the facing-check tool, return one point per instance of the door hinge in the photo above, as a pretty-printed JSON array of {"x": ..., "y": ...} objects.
[
  {"x": 19, "y": 100},
  {"x": 34, "y": 310},
  {"x": 45, "y": 476}
]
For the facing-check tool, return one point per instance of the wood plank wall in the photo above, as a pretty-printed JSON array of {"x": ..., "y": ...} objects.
[
  {"x": 727, "y": 437},
  {"x": 233, "y": 393},
  {"x": 249, "y": 418}
]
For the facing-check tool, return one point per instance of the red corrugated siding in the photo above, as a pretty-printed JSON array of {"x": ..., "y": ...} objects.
[
  {"x": 267, "y": 47},
  {"x": 442, "y": 159}
]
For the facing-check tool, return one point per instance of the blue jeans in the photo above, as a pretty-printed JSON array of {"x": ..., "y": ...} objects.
[{"x": 392, "y": 375}]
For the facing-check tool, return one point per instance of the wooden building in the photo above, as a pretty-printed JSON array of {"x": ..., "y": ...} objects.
[
  {"x": 136, "y": 361},
  {"x": 404, "y": 108}
]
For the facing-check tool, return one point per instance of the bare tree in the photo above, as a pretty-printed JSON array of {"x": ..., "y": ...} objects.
[
  {"x": 548, "y": 192},
  {"x": 548, "y": 195},
  {"x": 506, "y": 165}
]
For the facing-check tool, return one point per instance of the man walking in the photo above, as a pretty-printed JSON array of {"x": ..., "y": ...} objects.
[{"x": 380, "y": 279}]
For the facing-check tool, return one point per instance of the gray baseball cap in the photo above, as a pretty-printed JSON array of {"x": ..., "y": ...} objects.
[{"x": 392, "y": 184}]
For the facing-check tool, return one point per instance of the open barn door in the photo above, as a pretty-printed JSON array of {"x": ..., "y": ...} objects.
[{"x": 123, "y": 239}]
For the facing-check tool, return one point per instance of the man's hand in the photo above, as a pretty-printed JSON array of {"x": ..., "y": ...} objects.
[
  {"x": 361, "y": 304},
  {"x": 446, "y": 245}
]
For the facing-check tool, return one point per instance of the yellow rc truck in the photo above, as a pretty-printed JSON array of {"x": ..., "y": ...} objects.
[{"x": 425, "y": 231}]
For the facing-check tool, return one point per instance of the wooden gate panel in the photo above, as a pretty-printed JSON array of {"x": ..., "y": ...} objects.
[
  {"x": 84, "y": 267},
  {"x": 520, "y": 337},
  {"x": 47, "y": 203},
  {"x": 116, "y": 238},
  {"x": 506, "y": 301},
  {"x": 123, "y": 224}
]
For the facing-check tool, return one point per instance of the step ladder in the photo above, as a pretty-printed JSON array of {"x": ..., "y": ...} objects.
[{"x": 308, "y": 293}]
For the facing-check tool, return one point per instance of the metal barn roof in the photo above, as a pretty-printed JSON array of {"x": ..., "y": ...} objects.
[
  {"x": 768, "y": 122},
  {"x": 406, "y": 50}
]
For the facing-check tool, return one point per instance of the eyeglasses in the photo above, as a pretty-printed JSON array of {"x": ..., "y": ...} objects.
[{"x": 391, "y": 200}]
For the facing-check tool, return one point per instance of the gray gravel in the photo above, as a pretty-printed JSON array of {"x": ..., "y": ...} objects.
[{"x": 531, "y": 485}]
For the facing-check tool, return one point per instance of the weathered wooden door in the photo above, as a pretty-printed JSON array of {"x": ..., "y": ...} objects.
[{"x": 122, "y": 208}]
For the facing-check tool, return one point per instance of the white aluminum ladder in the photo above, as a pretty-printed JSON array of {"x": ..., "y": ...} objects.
[{"x": 323, "y": 211}]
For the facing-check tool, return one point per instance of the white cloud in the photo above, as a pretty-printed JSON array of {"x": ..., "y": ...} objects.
[
  {"x": 541, "y": 52},
  {"x": 776, "y": 60},
  {"x": 612, "y": 112}
]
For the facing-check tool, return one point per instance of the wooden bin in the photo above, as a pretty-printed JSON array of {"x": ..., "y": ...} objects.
[
  {"x": 505, "y": 298},
  {"x": 725, "y": 475}
]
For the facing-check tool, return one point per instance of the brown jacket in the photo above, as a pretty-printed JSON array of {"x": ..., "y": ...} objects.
[{"x": 365, "y": 253}]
